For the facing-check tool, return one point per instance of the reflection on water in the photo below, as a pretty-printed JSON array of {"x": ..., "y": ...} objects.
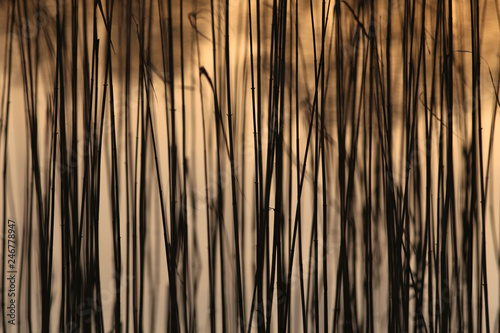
[{"x": 210, "y": 166}]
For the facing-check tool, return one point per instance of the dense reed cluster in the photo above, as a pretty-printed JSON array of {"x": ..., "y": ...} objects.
[{"x": 251, "y": 166}]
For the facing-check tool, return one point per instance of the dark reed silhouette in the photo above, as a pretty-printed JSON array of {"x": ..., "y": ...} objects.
[{"x": 250, "y": 166}]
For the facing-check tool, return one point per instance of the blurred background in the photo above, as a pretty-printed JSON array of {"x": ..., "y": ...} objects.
[{"x": 252, "y": 166}]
